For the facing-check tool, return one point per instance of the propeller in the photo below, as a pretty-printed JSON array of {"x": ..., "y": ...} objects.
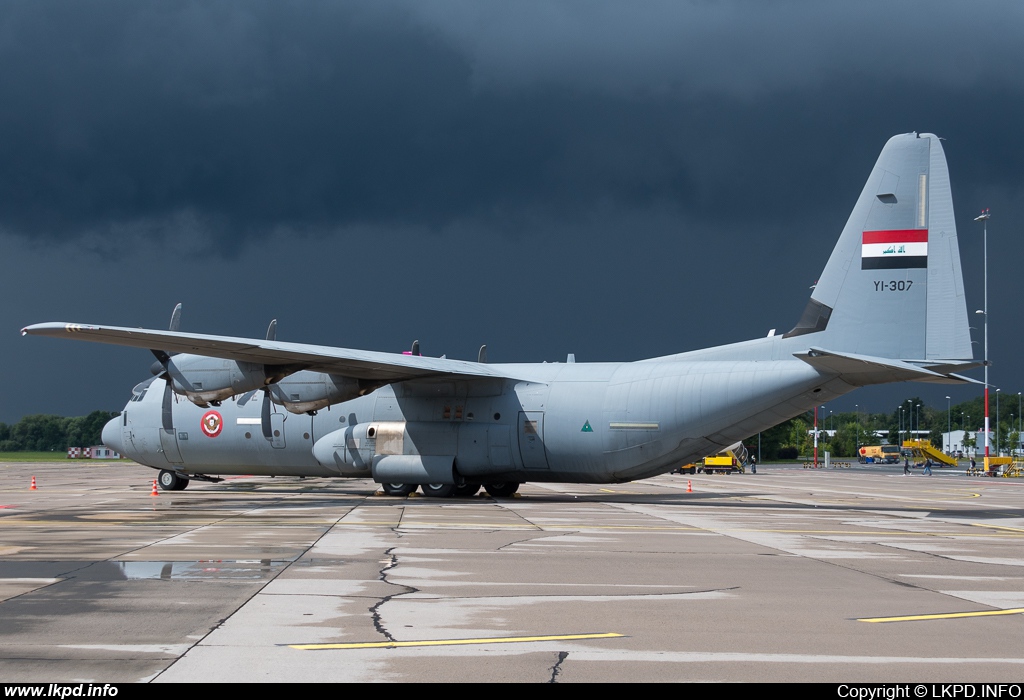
[
  {"x": 267, "y": 390},
  {"x": 169, "y": 372}
]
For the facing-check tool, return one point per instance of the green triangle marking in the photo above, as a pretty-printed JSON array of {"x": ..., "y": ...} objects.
[{"x": 587, "y": 428}]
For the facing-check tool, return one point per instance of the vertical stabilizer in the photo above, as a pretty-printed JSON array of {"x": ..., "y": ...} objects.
[{"x": 893, "y": 285}]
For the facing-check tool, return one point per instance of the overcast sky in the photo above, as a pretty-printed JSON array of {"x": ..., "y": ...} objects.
[{"x": 617, "y": 180}]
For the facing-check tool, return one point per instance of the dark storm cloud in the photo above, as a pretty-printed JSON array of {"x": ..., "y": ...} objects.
[
  {"x": 243, "y": 118},
  {"x": 614, "y": 179}
]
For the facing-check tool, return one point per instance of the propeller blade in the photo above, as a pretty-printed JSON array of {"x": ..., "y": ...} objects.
[
  {"x": 175, "y": 319},
  {"x": 246, "y": 397},
  {"x": 272, "y": 330},
  {"x": 176, "y": 375},
  {"x": 170, "y": 370},
  {"x": 481, "y": 356},
  {"x": 268, "y": 432},
  {"x": 166, "y": 415}
]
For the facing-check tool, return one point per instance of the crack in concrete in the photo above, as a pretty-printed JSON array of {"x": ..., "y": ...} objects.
[
  {"x": 375, "y": 608},
  {"x": 557, "y": 668}
]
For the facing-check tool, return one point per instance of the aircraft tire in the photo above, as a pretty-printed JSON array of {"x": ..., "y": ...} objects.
[
  {"x": 438, "y": 490},
  {"x": 397, "y": 489},
  {"x": 503, "y": 489},
  {"x": 169, "y": 481},
  {"x": 466, "y": 490}
]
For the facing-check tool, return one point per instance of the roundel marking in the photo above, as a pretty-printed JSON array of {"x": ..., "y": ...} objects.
[{"x": 211, "y": 423}]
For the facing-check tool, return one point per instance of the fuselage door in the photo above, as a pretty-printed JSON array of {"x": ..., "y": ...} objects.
[
  {"x": 169, "y": 444},
  {"x": 531, "y": 440},
  {"x": 277, "y": 430}
]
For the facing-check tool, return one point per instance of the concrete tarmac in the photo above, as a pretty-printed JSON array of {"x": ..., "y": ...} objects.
[{"x": 844, "y": 575}]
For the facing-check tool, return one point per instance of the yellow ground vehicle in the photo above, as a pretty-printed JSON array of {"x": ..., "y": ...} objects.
[
  {"x": 722, "y": 463},
  {"x": 997, "y": 466},
  {"x": 879, "y": 454}
]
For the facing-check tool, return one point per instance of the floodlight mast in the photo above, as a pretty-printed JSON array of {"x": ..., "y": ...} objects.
[{"x": 984, "y": 217}]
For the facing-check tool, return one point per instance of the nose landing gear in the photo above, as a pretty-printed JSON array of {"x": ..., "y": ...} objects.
[{"x": 172, "y": 481}]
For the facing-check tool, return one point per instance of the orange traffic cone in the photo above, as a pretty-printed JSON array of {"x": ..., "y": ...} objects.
[
  {"x": 155, "y": 492},
  {"x": 33, "y": 486},
  {"x": 689, "y": 486}
]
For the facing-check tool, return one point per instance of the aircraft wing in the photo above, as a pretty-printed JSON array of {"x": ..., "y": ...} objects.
[{"x": 377, "y": 367}]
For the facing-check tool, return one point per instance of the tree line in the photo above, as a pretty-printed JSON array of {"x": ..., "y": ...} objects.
[
  {"x": 795, "y": 437},
  {"x": 44, "y": 433}
]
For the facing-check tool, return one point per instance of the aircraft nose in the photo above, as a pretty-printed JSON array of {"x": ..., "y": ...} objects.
[{"x": 111, "y": 435}]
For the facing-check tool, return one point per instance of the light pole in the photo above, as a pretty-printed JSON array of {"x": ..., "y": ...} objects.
[
  {"x": 815, "y": 436},
  {"x": 997, "y": 422},
  {"x": 984, "y": 217},
  {"x": 856, "y": 413},
  {"x": 901, "y": 426}
]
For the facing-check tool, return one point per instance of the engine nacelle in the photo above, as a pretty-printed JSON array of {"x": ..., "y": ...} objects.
[
  {"x": 348, "y": 450},
  {"x": 310, "y": 391},
  {"x": 209, "y": 379}
]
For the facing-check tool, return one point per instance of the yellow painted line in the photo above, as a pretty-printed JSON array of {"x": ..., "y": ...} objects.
[
  {"x": 456, "y": 642},
  {"x": 999, "y": 527},
  {"x": 943, "y": 616}
]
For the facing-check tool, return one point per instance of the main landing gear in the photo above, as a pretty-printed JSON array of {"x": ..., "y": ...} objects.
[
  {"x": 503, "y": 489},
  {"x": 172, "y": 481},
  {"x": 499, "y": 490},
  {"x": 397, "y": 489}
]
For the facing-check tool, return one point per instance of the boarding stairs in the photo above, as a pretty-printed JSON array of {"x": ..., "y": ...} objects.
[
  {"x": 1014, "y": 468},
  {"x": 925, "y": 450}
]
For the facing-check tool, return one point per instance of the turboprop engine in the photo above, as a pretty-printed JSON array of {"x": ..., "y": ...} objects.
[
  {"x": 306, "y": 391},
  {"x": 209, "y": 379}
]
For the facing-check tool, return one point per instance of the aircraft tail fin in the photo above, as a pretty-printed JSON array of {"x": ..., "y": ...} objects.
[{"x": 893, "y": 287}]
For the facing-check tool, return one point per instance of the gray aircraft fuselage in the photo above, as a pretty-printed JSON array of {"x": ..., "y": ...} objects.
[{"x": 565, "y": 422}]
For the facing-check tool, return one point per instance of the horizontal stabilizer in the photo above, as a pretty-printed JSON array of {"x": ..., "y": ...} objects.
[
  {"x": 863, "y": 370},
  {"x": 950, "y": 367}
]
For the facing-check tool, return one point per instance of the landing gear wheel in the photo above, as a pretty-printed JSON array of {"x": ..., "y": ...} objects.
[
  {"x": 466, "y": 490},
  {"x": 502, "y": 490},
  {"x": 397, "y": 489},
  {"x": 438, "y": 490},
  {"x": 170, "y": 481}
]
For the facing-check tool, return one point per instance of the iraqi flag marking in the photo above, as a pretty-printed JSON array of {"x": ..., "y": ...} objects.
[{"x": 894, "y": 250}]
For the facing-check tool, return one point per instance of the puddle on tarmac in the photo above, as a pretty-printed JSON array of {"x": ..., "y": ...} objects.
[{"x": 195, "y": 570}]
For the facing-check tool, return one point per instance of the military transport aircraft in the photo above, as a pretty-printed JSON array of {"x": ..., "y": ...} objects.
[{"x": 888, "y": 307}]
